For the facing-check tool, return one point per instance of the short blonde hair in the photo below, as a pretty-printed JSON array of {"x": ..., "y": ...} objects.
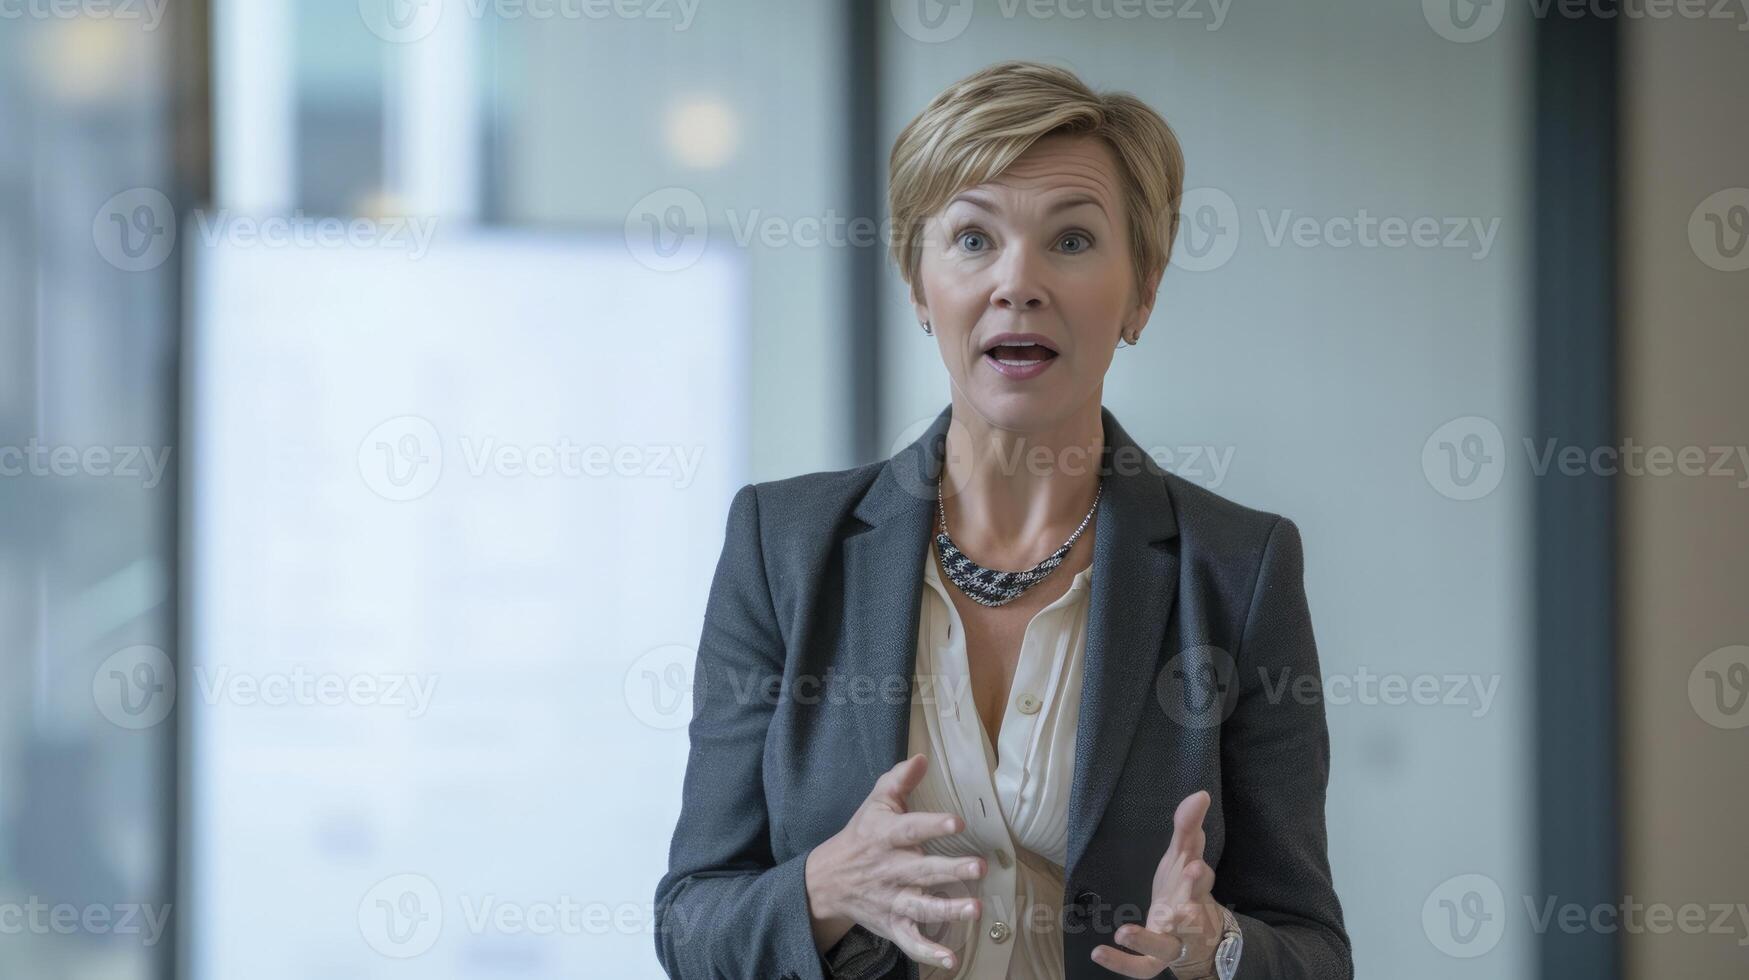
[{"x": 980, "y": 124}]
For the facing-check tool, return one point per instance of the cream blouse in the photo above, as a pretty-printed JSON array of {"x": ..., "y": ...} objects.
[{"x": 1014, "y": 797}]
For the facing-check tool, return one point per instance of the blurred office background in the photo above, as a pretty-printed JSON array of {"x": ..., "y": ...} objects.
[{"x": 375, "y": 375}]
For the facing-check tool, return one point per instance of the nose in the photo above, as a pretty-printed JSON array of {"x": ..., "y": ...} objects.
[{"x": 1018, "y": 284}]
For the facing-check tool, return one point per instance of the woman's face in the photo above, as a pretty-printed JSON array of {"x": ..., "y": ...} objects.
[{"x": 1042, "y": 249}]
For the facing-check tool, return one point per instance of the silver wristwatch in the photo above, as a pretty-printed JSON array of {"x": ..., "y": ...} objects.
[{"x": 1232, "y": 942}]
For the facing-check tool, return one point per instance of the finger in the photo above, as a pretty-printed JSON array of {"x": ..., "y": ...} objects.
[
  {"x": 1187, "y": 836},
  {"x": 913, "y": 943},
  {"x": 1194, "y": 882},
  {"x": 1127, "y": 964},
  {"x": 918, "y": 906},
  {"x": 1202, "y": 880},
  {"x": 1162, "y": 946},
  {"x": 937, "y": 870},
  {"x": 912, "y": 829},
  {"x": 895, "y": 785}
]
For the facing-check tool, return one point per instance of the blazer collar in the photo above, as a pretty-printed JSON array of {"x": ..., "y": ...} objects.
[{"x": 1133, "y": 585}]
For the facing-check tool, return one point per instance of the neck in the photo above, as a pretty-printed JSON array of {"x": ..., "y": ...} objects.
[{"x": 1014, "y": 496}]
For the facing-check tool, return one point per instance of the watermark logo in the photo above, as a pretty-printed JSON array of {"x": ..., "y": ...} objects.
[
  {"x": 402, "y": 458},
  {"x": 148, "y": 464},
  {"x": 1718, "y": 687},
  {"x": 135, "y": 687},
  {"x": 397, "y": 233},
  {"x": 1718, "y": 230},
  {"x": 35, "y": 917},
  {"x": 407, "y": 21},
  {"x": 1465, "y": 916},
  {"x": 1464, "y": 459},
  {"x": 932, "y": 21},
  {"x": 659, "y": 686},
  {"x": 667, "y": 229},
  {"x": 135, "y": 230},
  {"x": 1464, "y": 21},
  {"x": 401, "y": 21},
  {"x": 1363, "y": 229},
  {"x": 936, "y": 21},
  {"x": 1208, "y": 230},
  {"x": 149, "y": 13},
  {"x": 401, "y": 916},
  {"x": 300, "y": 687},
  {"x": 1198, "y": 688}
]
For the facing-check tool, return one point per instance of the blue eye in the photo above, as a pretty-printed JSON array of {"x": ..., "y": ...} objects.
[
  {"x": 1087, "y": 242},
  {"x": 976, "y": 235}
]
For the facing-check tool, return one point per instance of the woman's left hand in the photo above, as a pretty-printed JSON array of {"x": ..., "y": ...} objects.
[{"x": 1183, "y": 917}]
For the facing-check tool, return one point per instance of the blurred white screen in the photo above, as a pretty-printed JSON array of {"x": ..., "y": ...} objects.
[{"x": 431, "y": 501}]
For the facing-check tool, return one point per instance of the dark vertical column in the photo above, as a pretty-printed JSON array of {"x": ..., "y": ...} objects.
[
  {"x": 191, "y": 188},
  {"x": 1578, "y": 825},
  {"x": 863, "y": 158}
]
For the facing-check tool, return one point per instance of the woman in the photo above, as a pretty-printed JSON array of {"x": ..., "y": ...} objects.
[{"x": 1009, "y": 703}]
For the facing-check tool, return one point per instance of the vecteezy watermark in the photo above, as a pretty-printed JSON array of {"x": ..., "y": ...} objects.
[
  {"x": 936, "y": 21},
  {"x": 1467, "y": 915},
  {"x": 401, "y": 233},
  {"x": 668, "y": 229},
  {"x": 1365, "y": 230},
  {"x": 1200, "y": 687},
  {"x": 36, "y": 917},
  {"x": 407, "y": 21},
  {"x": 1465, "y": 459},
  {"x": 149, "y": 13},
  {"x": 663, "y": 685},
  {"x": 403, "y": 916},
  {"x": 1718, "y": 229},
  {"x": 1207, "y": 465},
  {"x": 135, "y": 687},
  {"x": 659, "y": 686},
  {"x": 1210, "y": 228},
  {"x": 148, "y": 464},
  {"x": 402, "y": 458},
  {"x": 303, "y": 688},
  {"x": 135, "y": 230},
  {"x": 1466, "y": 21},
  {"x": 1718, "y": 687}
]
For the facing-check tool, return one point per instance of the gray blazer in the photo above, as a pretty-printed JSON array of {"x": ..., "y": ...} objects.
[{"x": 1201, "y": 673}]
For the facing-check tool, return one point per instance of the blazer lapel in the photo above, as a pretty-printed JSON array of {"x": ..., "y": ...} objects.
[{"x": 1133, "y": 585}]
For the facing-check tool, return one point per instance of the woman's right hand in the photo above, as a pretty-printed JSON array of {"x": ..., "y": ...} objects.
[{"x": 875, "y": 873}]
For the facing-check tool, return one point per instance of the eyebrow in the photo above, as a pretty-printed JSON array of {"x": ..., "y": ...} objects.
[{"x": 979, "y": 199}]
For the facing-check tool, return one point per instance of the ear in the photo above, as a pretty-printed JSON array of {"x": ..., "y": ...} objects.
[
  {"x": 918, "y": 304},
  {"x": 1144, "y": 307}
]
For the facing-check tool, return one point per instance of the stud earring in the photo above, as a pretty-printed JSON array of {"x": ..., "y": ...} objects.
[{"x": 928, "y": 329}]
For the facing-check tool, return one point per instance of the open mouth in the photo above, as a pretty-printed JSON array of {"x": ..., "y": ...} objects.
[{"x": 1020, "y": 355}]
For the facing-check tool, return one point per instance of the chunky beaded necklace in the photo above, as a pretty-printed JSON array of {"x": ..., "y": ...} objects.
[{"x": 992, "y": 587}]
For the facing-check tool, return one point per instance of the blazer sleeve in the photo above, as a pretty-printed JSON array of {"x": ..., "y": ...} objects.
[
  {"x": 1275, "y": 763},
  {"x": 726, "y": 909}
]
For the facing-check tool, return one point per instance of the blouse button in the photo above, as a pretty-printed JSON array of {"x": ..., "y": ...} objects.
[
  {"x": 999, "y": 932},
  {"x": 1029, "y": 704}
]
